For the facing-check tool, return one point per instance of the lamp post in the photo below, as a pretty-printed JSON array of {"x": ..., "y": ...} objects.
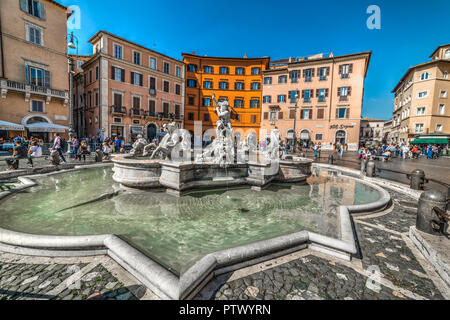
[
  {"x": 295, "y": 121},
  {"x": 71, "y": 45}
]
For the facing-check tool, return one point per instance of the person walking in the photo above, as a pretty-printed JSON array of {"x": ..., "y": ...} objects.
[
  {"x": 75, "y": 146},
  {"x": 58, "y": 145},
  {"x": 429, "y": 152}
]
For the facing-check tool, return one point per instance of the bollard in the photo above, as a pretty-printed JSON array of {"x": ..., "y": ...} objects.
[
  {"x": 417, "y": 179},
  {"x": 370, "y": 168},
  {"x": 302, "y": 155},
  {"x": 363, "y": 166},
  {"x": 330, "y": 159},
  {"x": 427, "y": 219}
]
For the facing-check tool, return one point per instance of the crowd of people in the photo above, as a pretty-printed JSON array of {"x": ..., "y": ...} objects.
[{"x": 430, "y": 151}]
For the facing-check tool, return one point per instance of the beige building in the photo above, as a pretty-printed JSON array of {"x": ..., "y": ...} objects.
[
  {"x": 330, "y": 96},
  {"x": 371, "y": 130},
  {"x": 421, "y": 104},
  {"x": 34, "y": 79}
]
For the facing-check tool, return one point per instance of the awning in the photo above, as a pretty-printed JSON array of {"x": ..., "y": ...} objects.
[
  {"x": 45, "y": 127},
  {"x": 432, "y": 141},
  {"x": 9, "y": 126}
]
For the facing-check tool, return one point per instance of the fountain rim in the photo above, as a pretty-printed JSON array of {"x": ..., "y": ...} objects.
[{"x": 163, "y": 282}]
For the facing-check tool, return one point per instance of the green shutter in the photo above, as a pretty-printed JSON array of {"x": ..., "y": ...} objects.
[
  {"x": 47, "y": 79},
  {"x": 42, "y": 11},
  {"x": 27, "y": 74},
  {"x": 24, "y": 5}
]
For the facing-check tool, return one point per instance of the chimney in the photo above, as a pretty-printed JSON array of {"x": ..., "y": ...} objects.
[
  {"x": 245, "y": 56},
  {"x": 331, "y": 55},
  {"x": 290, "y": 59}
]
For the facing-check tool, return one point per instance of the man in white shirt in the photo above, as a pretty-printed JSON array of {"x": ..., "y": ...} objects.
[{"x": 35, "y": 151}]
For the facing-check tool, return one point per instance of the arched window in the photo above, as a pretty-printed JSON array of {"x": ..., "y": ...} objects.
[
  {"x": 424, "y": 76},
  {"x": 447, "y": 54}
]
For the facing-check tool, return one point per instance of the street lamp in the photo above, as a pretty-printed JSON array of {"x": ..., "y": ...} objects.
[
  {"x": 297, "y": 96},
  {"x": 71, "y": 45}
]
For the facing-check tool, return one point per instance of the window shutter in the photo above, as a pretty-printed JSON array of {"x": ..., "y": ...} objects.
[
  {"x": 328, "y": 71},
  {"x": 123, "y": 75},
  {"x": 27, "y": 74},
  {"x": 113, "y": 73},
  {"x": 350, "y": 68},
  {"x": 310, "y": 114},
  {"x": 303, "y": 93},
  {"x": 141, "y": 79},
  {"x": 47, "y": 79},
  {"x": 266, "y": 115},
  {"x": 280, "y": 115},
  {"x": 326, "y": 92},
  {"x": 132, "y": 77},
  {"x": 337, "y": 113},
  {"x": 317, "y": 92},
  {"x": 339, "y": 92},
  {"x": 291, "y": 114},
  {"x": 290, "y": 75},
  {"x": 42, "y": 11},
  {"x": 24, "y": 5},
  {"x": 347, "y": 113},
  {"x": 312, "y": 72},
  {"x": 340, "y": 69},
  {"x": 349, "y": 92},
  {"x": 312, "y": 93}
]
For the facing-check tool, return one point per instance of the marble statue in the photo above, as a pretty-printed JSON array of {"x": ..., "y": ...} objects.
[
  {"x": 138, "y": 146},
  {"x": 272, "y": 151}
]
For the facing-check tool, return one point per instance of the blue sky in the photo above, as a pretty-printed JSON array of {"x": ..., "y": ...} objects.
[{"x": 410, "y": 31}]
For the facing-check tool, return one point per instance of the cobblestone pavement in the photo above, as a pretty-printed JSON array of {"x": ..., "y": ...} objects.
[
  {"x": 384, "y": 247},
  {"x": 387, "y": 267}
]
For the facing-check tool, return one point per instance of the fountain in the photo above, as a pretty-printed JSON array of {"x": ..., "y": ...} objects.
[{"x": 222, "y": 163}]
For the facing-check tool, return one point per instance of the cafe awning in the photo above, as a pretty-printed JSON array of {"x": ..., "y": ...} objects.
[
  {"x": 9, "y": 126},
  {"x": 432, "y": 141},
  {"x": 45, "y": 127}
]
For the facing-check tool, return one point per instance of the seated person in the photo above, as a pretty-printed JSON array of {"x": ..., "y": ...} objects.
[
  {"x": 35, "y": 151},
  {"x": 19, "y": 152}
]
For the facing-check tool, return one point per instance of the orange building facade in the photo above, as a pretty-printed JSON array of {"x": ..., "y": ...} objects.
[{"x": 238, "y": 80}]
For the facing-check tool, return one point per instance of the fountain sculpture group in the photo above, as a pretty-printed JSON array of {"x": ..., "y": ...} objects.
[{"x": 224, "y": 162}]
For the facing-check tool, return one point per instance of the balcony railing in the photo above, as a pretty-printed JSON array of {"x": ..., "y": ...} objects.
[
  {"x": 322, "y": 78},
  {"x": 321, "y": 99},
  {"x": 135, "y": 112},
  {"x": 28, "y": 89},
  {"x": 345, "y": 76},
  {"x": 118, "y": 110},
  {"x": 308, "y": 79},
  {"x": 343, "y": 98}
]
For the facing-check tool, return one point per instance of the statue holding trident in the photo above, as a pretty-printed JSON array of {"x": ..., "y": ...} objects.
[{"x": 223, "y": 111}]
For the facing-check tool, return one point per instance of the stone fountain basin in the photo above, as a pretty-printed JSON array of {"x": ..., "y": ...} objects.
[
  {"x": 178, "y": 177},
  {"x": 166, "y": 284}
]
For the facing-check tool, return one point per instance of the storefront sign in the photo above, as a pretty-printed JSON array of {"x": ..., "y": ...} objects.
[{"x": 342, "y": 126}]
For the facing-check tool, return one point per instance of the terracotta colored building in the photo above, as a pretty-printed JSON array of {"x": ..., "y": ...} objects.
[
  {"x": 34, "y": 79},
  {"x": 421, "y": 105},
  {"x": 129, "y": 89},
  {"x": 330, "y": 97},
  {"x": 237, "y": 79}
]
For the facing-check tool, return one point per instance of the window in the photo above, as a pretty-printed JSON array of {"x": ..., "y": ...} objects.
[
  {"x": 282, "y": 98},
  {"x": 282, "y": 79},
  {"x": 439, "y": 127},
  {"x": 190, "y": 116},
  {"x": 96, "y": 98},
  {"x": 239, "y": 86},
  {"x": 191, "y": 100},
  {"x": 422, "y": 94},
  {"x": 342, "y": 113},
  {"x": 306, "y": 114},
  {"x": 294, "y": 76},
  {"x": 166, "y": 67},
  {"x": 255, "y": 86},
  {"x": 345, "y": 70},
  {"x": 223, "y": 85},
  {"x": 308, "y": 74},
  {"x": 152, "y": 107},
  {"x": 273, "y": 116},
  {"x": 192, "y": 67},
  {"x": 33, "y": 7},
  {"x": 192, "y": 83},
  {"x": 321, "y": 113},
  {"x": 177, "y": 89},
  {"x": 322, "y": 94},
  {"x": 38, "y": 77},
  {"x": 240, "y": 71},
  {"x": 443, "y": 94},
  {"x": 424, "y": 76},
  {"x": 253, "y": 119},
  {"x": 118, "y": 74},
  {"x": 208, "y": 69},
  {"x": 207, "y": 102},
  {"x": 307, "y": 95},
  {"x": 254, "y": 103},
  {"x": 445, "y": 75},
  {"x": 136, "y": 79},
  {"x": 79, "y": 64},
  {"x": 447, "y": 54},
  {"x": 34, "y": 35},
  {"x": 442, "y": 109},
  {"x": 268, "y": 80},
  {"x": 238, "y": 103},
  {"x": 152, "y": 85},
  {"x": 419, "y": 127},
  {"x": 293, "y": 96},
  {"x": 238, "y": 118},
  {"x": 344, "y": 92},
  {"x": 90, "y": 76},
  {"x": 177, "y": 111},
  {"x": 207, "y": 84},
  {"x": 166, "y": 109},
  {"x": 153, "y": 63},
  {"x": 291, "y": 114},
  {"x": 323, "y": 73},
  {"x": 256, "y": 71},
  {"x": 266, "y": 116},
  {"x": 420, "y": 111},
  {"x": 136, "y": 102},
  {"x": 206, "y": 117},
  {"x": 37, "y": 106},
  {"x": 224, "y": 70},
  {"x": 136, "y": 57},
  {"x": 178, "y": 71},
  {"x": 166, "y": 86},
  {"x": 319, "y": 137},
  {"x": 267, "y": 99},
  {"x": 96, "y": 73},
  {"x": 117, "y": 51}
]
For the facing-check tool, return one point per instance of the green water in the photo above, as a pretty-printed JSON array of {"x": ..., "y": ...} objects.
[{"x": 178, "y": 231}]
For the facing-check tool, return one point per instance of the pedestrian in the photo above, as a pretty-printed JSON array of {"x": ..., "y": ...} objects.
[
  {"x": 83, "y": 151},
  {"x": 75, "y": 146},
  {"x": 19, "y": 152},
  {"x": 58, "y": 145},
  {"x": 35, "y": 151}
]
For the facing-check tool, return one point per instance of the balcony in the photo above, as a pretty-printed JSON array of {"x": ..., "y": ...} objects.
[
  {"x": 343, "y": 98},
  {"x": 306, "y": 100},
  {"x": 345, "y": 76},
  {"x": 321, "y": 99},
  {"x": 308, "y": 79},
  {"x": 136, "y": 112},
  {"x": 48, "y": 93},
  {"x": 322, "y": 78},
  {"x": 119, "y": 111}
]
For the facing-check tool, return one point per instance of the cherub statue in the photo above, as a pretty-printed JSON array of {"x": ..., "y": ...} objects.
[{"x": 138, "y": 146}]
